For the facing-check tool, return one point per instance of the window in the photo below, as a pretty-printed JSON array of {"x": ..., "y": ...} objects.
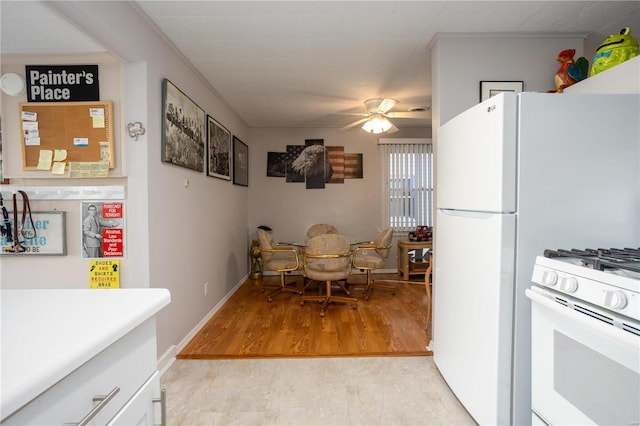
[{"x": 407, "y": 173}]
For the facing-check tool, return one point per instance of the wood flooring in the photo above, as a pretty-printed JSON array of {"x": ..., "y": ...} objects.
[{"x": 248, "y": 326}]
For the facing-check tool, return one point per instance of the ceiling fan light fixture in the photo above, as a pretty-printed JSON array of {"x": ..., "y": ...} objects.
[
  {"x": 377, "y": 124},
  {"x": 379, "y": 105}
]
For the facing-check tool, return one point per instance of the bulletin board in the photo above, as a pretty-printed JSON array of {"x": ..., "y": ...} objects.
[{"x": 83, "y": 129}]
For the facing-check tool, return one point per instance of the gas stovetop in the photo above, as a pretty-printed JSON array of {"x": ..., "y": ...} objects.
[
  {"x": 627, "y": 259},
  {"x": 607, "y": 278}
]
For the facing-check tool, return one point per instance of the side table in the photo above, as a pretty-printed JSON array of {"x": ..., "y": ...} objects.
[{"x": 406, "y": 266}]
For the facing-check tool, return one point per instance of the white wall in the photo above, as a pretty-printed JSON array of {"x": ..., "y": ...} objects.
[
  {"x": 109, "y": 72},
  {"x": 70, "y": 271},
  {"x": 180, "y": 237},
  {"x": 354, "y": 207}
]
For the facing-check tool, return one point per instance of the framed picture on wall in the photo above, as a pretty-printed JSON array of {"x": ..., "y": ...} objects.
[
  {"x": 240, "y": 162},
  {"x": 218, "y": 150},
  {"x": 33, "y": 239},
  {"x": 183, "y": 129},
  {"x": 492, "y": 88}
]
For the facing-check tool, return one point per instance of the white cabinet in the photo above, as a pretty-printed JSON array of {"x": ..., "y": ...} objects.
[
  {"x": 146, "y": 407},
  {"x": 123, "y": 369},
  {"x": 117, "y": 384}
]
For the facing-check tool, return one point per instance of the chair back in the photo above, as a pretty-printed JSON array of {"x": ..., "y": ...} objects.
[
  {"x": 327, "y": 257},
  {"x": 265, "y": 239},
  {"x": 383, "y": 241},
  {"x": 320, "y": 229}
]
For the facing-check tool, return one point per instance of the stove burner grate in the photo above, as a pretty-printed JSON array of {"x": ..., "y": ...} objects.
[{"x": 601, "y": 259}]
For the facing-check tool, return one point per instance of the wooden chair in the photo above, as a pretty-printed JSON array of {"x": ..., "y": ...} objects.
[
  {"x": 428, "y": 284},
  {"x": 327, "y": 258},
  {"x": 371, "y": 256},
  {"x": 278, "y": 258}
]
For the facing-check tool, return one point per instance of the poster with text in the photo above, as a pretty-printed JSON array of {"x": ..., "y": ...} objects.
[
  {"x": 104, "y": 273},
  {"x": 102, "y": 229}
]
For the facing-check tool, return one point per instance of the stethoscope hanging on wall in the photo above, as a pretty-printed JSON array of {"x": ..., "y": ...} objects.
[
  {"x": 24, "y": 228},
  {"x": 5, "y": 229}
]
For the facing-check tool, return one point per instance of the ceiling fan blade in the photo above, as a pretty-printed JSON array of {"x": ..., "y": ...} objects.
[
  {"x": 386, "y": 105},
  {"x": 393, "y": 129},
  {"x": 357, "y": 114},
  {"x": 409, "y": 114},
  {"x": 354, "y": 124}
]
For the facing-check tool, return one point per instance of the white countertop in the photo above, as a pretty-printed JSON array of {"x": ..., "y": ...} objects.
[{"x": 47, "y": 334}]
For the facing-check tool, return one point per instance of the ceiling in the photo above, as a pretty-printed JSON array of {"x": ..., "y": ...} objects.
[{"x": 313, "y": 63}]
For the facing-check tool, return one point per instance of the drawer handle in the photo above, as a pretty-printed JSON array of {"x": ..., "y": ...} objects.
[
  {"x": 103, "y": 400},
  {"x": 163, "y": 406}
]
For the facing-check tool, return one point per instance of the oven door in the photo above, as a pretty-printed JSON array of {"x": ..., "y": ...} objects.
[{"x": 584, "y": 370}]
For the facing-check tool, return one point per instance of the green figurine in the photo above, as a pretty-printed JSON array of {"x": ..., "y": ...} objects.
[{"x": 616, "y": 49}]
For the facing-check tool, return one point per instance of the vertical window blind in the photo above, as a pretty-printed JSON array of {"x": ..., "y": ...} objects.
[{"x": 407, "y": 173}]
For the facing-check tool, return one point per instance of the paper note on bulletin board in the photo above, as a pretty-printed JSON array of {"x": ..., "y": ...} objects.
[{"x": 83, "y": 129}]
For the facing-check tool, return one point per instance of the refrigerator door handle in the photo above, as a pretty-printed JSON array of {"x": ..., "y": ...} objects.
[{"x": 470, "y": 213}]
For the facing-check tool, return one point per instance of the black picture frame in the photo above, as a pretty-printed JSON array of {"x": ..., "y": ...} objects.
[
  {"x": 183, "y": 129},
  {"x": 218, "y": 150},
  {"x": 491, "y": 88},
  {"x": 240, "y": 162}
]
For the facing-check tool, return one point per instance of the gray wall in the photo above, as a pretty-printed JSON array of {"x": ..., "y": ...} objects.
[
  {"x": 178, "y": 236},
  {"x": 459, "y": 63}
]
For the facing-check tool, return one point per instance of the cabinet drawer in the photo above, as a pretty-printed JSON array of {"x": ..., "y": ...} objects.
[
  {"x": 127, "y": 365},
  {"x": 140, "y": 410}
]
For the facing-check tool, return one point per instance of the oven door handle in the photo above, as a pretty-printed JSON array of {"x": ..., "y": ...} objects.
[{"x": 584, "y": 320}]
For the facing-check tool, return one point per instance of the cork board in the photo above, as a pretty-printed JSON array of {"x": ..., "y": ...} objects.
[{"x": 83, "y": 129}]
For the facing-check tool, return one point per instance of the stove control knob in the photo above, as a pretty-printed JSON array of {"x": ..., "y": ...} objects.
[
  {"x": 549, "y": 278},
  {"x": 615, "y": 299},
  {"x": 569, "y": 285}
]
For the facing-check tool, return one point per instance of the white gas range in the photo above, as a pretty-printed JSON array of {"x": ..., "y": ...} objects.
[{"x": 586, "y": 337}]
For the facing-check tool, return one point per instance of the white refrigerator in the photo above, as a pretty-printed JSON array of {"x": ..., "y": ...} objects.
[{"x": 516, "y": 174}]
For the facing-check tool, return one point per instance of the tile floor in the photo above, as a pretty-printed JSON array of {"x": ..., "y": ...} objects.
[{"x": 311, "y": 391}]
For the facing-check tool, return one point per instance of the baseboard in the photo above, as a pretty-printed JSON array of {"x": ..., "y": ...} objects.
[
  {"x": 207, "y": 317},
  {"x": 166, "y": 360},
  {"x": 169, "y": 357}
]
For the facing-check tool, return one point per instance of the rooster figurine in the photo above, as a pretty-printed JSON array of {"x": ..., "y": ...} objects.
[{"x": 570, "y": 72}]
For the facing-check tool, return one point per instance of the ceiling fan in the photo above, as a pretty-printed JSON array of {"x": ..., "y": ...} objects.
[{"x": 377, "y": 116}]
